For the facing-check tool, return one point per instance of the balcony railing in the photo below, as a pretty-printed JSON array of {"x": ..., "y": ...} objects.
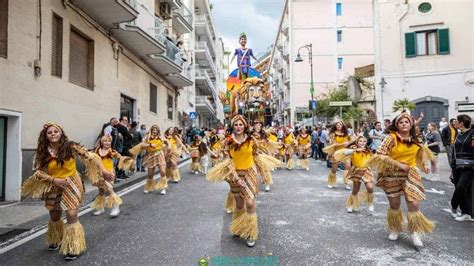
[
  {"x": 185, "y": 13},
  {"x": 204, "y": 19},
  {"x": 205, "y": 100},
  {"x": 173, "y": 52},
  {"x": 201, "y": 45},
  {"x": 203, "y": 73},
  {"x": 148, "y": 22}
]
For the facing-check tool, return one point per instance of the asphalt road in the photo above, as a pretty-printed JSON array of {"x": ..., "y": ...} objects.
[{"x": 301, "y": 222}]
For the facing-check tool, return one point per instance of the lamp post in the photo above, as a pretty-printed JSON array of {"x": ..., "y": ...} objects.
[{"x": 298, "y": 59}]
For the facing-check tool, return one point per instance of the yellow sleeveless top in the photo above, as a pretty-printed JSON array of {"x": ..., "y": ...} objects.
[
  {"x": 289, "y": 139},
  {"x": 243, "y": 157},
  {"x": 66, "y": 170},
  {"x": 404, "y": 153},
  {"x": 341, "y": 139},
  {"x": 157, "y": 142},
  {"x": 173, "y": 142},
  {"x": 216, "y": 146},
  {"x": 360, "y": 159},
  {"x": 272, "y": 138},
  {"x": 304, "y": 140},
  {"x": 108, "y": 164}
]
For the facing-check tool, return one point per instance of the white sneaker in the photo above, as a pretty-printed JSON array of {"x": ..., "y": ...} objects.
[
  {"x": 464, "y": 217},
  {"x": 329, "y": 186},
  {"x": 196, "y": 173},
  {"x": 371, "y": 208},
  {"x": 267, "y": 188},
  {"x": 393, "y": 236},
  {"x": 415, "y": 237},
  {"x": 115, "y": 211},
  {"x": 145, "y": 191},
  {"x": 454, "y": 213},
  {"x": 348, "y": 187},
  {"x": 250, "y": 243},
  {"x": 228, "y": 211},
  {"x": 98, "y": 212},
  {"x": 307, "y": 168},
  {"x": 350, "y": 209},
  {"x": 163, "y": 192}
]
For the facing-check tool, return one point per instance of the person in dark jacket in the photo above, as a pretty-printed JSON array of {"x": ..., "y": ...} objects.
[
  {"x": 122, "y": 128},
  {"x": 448, "y": 135},
  {"x": 463, "y": 170}
]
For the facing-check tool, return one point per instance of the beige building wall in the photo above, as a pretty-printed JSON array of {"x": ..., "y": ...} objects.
[
  {"x": 80, "y": 110},
  {"x": 447, "y": 78},
  {"x": 316, "y": 23}
]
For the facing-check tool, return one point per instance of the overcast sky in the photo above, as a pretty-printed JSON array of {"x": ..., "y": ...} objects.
[{"x": 257, "y": 18}]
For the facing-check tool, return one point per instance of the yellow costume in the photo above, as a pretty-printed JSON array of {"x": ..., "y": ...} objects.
[
  {"x": 172, "y": 158},
  {"x": 39, "y": 186},
  {"x": 337, "y": 141},
  {"x": 396, "y": 182},
  {"x": 304, "y": 148},
  {"x": 289, "y": 143}
]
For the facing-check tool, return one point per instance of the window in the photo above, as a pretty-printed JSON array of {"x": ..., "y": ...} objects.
[
  {"x": 170, "y": 107},
  {"x": 424, "y": 7},
  {"x": 429, "y": 42},
  {"x": 3, "y": 28},
  {"x": 153, "y": 98},
  {"x": 81, "y": 60},
  {"x": 339, "y": 9},
  {"x": 339, "y": 63},
  {"x": 57, "y": 46},
  {"x": 339, "y": 36}
]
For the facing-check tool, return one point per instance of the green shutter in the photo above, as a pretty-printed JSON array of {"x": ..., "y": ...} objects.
[
  {"x": 410, "y": 44},
  {"x": 443, "y": 41}
]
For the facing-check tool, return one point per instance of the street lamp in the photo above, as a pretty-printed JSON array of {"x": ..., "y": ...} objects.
[{"x": 298, "y": 59}]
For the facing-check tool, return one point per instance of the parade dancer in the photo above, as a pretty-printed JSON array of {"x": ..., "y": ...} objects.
[
  {"x": 216, "y": 148},
  {"x": 360, "y": 155},
  {"x": 397, "y": 161},
  {"x": 266, "y": 147},
  {"x": 304, "y": 148},
  {"x": 338, "y": 138},
  {"x": 154, "y": 157},
  {"x": 113, "y": 201},
  {"x": 57, "y": 181},
  {"x": 172, "y": 157},
  {"x": 289, "y": 143},
  {"x": 240, "y": 171},
  {"x": 196, "y": 154}
]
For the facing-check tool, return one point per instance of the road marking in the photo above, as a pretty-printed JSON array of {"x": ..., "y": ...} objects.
[
  {"x": 40, "y": 230},
  {"x": 435, "y": 191}
]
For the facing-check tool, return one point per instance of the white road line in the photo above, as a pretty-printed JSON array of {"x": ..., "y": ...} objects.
[{"x": 36, "y": 232}]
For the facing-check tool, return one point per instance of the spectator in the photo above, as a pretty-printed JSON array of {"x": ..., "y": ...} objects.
[
  {"x": 377, "y": 135},
  {"x": 365, "y": 132},
  {"x": 126, "y": 141},
  {"x": 350, "y": 130},
  {"x": 463, "y": 170},
  {"x": 141, "y": 133},
  {"x": 442, "y": 124},
  {"x": 386, "y": 124},
  {"x": 448, "y": 136},
  {"x": 314, "y": 143},
  {"x": 433, "y": 140},
  {"x": 323, "y": 140}
]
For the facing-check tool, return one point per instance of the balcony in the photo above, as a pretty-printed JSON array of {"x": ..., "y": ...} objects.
[
  {"x": 203, "y": 26},
  {"x": 173, "y": 3},
  {"x": 204, "y": 56},
  {"x": 109, "y": 13},
  {"x": 204, "y": 106},
  {"x": 143, "y": 36},
  {"x": 182, "y": 79},
  {"x": 182, "y": 20},
  {"x": 204, "y": 82},
  {"x": 169, "y": 62}
]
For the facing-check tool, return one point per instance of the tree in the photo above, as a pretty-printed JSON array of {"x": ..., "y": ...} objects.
[
  {"x": 340, "y": 94},
  {"x": 403, "y": 104}
]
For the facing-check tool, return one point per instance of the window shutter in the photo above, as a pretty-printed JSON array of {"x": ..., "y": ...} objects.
[
  {"x": 443, "y": 41},
  {"x": 410, "y": 44},
  {"x": 153, "y": 98},
  {"x": 3, "y": 27},
  {"x": 79, "y": 60},
  {"x": 57, "y": 46}
]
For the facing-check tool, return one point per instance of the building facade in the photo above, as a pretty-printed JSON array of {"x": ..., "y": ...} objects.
[
  {"x": 80, "y": 63},
  {"x": 341, "y": 37},
  {"x": 423, "y": 52}
]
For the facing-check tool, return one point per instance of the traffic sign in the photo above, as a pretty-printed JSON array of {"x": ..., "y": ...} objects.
[
  {"x": 193, "y": 115},
  {"x": 342, "y": 103}
]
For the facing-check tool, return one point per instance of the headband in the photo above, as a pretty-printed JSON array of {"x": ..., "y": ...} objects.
[{"x": 241, "y": 118}]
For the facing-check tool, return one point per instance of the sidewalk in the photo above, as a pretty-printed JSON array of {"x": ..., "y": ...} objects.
[{"x": 19, "y": 217}]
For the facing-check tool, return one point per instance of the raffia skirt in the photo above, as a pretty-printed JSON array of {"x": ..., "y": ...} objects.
[
  {"x": 69, "y": 198},
  {"x": 154, "y": 159},
  {"x": 402, "y": 183},
  {"x": 361, "y": 174},
  {"x": 246, "y": 185}
]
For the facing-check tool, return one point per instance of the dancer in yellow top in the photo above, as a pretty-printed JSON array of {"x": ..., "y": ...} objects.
[
  {"x": 360, "y": 155},
  {"x": 339, "y": 139},
  {"x": 304, "y": 148},
  {"x": 57, "y": 181},
  {"x": 240, "y": 171},
  {"x": 172, "y": 157},
  {"x": 196, "y": 154},
  {"x": 289, "y": 143},
  {"x": 154, "y": 157},
  {"x": 398, "y": 160},
  {"x": 216, "y": 148},
  {"x": 107, "y": 154}
]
